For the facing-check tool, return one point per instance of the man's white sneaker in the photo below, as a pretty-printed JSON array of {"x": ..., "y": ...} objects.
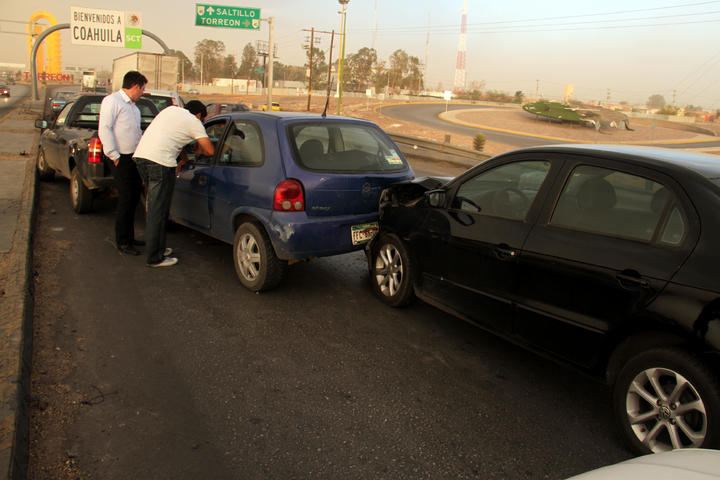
[
  {"x": 167, "y": 252},
  {"x": 166, "y": 262}
]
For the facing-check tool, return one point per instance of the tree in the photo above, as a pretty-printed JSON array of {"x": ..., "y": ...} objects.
[
  {"x": 519, "y": 95},
  {"x": 656, "y": 101},
  {"x": 248, "y": 62},
  {"x": 229, "y": 67},
  {"x": 359, "y": 69},
  {"x": 209, "y": 55},
  {"x": 319, "y": 68},
  {"x": 185, "y": 66},
  {"x": 399, "y": 65}
]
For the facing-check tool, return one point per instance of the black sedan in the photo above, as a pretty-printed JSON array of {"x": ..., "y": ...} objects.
[{"x": 602, "y": 257}]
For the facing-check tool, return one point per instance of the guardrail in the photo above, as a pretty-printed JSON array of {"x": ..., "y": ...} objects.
[{"x": 437, "y": 151}]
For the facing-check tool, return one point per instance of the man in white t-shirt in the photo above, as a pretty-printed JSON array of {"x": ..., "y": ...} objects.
[{"x": 156, "y": 158}]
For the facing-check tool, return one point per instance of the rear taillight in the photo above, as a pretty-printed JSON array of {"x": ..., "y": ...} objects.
[
  {"x": 95, "y": 151},
  {"x": 289, "y": 197}
]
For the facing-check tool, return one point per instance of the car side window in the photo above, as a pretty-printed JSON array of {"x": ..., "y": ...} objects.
[
  {"x": 214, "y": 131},
  {"x": 506, "y": 191},
  {"x": 619, "y": 204},
  {"x": 62, "y": 117},
  {"x": 243, "y": 146}
]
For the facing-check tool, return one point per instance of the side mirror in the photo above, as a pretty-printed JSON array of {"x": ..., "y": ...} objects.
[
  {"x": 435, "y": 198},
  {"x": 41, "y": 124}
]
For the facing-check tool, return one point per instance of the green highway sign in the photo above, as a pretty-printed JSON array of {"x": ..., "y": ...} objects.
[{"x": 208, "y": 15}]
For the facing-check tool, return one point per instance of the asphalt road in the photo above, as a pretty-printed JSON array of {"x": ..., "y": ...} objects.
[
  {"x": 180, "y": 373},
  {"x": 427, "y": 114}
]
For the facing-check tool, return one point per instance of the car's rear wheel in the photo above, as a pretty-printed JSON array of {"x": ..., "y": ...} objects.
[
  {"x": 45, "y": 173},
  {"x": 80, "y": 195},
  {"x": 256, "y": 264},
  {"x": 666, "y": 399},
  {"x": 391, "y": 271}
]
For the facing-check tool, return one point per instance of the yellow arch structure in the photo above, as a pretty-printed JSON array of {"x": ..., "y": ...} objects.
[{"x": 52, "y": 61}]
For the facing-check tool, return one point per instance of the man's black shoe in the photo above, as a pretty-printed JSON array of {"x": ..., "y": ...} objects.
[
  {"x": 138, "y": 243},
  {"x": 128, "y": 250}
]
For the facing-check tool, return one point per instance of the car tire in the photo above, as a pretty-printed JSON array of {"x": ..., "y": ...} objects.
[
  {"x": 256, "y": 264},
  {"x": 391, "y": 271},
  {"x": 665, "y": 399},
  {"x": 80, "y": 195},
  {"x": 45, "y": 173}
]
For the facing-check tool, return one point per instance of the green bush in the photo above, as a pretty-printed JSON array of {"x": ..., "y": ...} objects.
[{"x": 479, "y": 142}]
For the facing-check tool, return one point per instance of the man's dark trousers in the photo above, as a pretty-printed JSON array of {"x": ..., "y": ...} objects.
[
  {"x": 127, "y": 181},
  {"x": 160, "y": 182}
]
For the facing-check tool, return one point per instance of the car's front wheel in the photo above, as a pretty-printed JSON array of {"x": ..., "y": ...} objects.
[
  {"x": 666, "y": 399},
  {"x": 80, "y": 195},
  {"x": 391, "y": 271},
  {"x": 45, "y": 173},
  {"x": 256, "y": 264}
]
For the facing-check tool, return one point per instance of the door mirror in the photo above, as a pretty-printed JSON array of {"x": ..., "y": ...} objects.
[
  {"x": 41, "y": 123},
  {"x": 435, "y": 198}
]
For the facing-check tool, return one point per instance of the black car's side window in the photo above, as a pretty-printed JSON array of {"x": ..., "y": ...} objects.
[
  {"x": 619, "y": 204},
  {"x": 60, "y": 120},
  {"x": 506, "y": 191}
]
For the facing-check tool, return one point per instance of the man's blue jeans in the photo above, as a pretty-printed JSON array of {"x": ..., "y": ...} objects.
[{"x": 159, "y": 182}]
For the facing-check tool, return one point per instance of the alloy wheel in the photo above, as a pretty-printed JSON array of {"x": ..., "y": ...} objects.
[
  {"x": 665, "y": 411},
  {"x": 249, "y": 257},
  {"x": 389, "y": 270}
]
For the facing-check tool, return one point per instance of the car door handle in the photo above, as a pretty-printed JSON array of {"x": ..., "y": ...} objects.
[
  {"x": 202, "y": 180},
  {"x": 504, "y": 252},
  {"x": 632, "y": 279}
]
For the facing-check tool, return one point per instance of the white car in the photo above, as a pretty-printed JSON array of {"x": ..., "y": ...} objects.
[
  {"x": 682, "y": 464},
  {"x": 163, "y": 98}
]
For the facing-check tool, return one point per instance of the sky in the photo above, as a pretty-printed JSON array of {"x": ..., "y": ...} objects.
[{"x": 621, "y": 50}]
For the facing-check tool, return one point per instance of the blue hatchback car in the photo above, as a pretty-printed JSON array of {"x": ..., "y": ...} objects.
[{"x": 285, "y": 187}]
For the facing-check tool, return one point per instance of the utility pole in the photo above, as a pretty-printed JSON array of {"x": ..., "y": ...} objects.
[
  {"x": 537, "y": 89},
  {"x": 312, "y": 46}
]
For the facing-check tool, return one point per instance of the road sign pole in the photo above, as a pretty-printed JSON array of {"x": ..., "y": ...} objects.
[{"x": 270, "y": 21}]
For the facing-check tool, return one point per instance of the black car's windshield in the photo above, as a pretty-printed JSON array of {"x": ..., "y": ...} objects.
[{"x": 344, "y": 147}]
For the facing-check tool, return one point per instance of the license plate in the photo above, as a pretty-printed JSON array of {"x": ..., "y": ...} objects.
[{"x": 363, "y": 233}]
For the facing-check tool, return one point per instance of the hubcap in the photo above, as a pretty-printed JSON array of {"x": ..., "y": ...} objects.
[
  {"x": 388, "y": 270},
  {"x": 665, "y": 411},
  {"x": 75, "y": 190},
  {"x": 248, "y": 256}
]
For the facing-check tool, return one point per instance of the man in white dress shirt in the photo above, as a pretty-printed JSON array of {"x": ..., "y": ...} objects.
[{"x": 120, "y": 133}]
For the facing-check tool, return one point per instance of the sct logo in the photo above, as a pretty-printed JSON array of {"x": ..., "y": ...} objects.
[{"x": 133, "y": 38}]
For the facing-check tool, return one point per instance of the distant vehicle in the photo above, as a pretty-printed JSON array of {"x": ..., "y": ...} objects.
[
  {"x": 275, "y": 107},
  {"x": 602, "y": 257},
  {"x": 194, "y": 91},
  {"x": 89, "y": 81},
  {"x": 60, "y": 100},
  {"x": 4, "y": 91},
  {"x": 218, "y": 108},
  {"x": 285, "y": 187},
  {"x": 70, "y": 146},
  {"x": 163, "y": 98}
]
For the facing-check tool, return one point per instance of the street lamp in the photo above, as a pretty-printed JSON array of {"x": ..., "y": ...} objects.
[{"x": 342, "y": 53}]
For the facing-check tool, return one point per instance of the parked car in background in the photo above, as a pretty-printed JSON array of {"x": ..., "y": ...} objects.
[
  {"x": 163, "y": 98},
  {"x": 70, "y": 146},
  {"x": 601, "y": 257},
  {"x": 194, "y": 91},
  {"x": 4, "y": 91},
  {"x": 218, "y": 108},
  {"x": 286, "y": 187},
  {"x": 59, "y": 100},
  {"x": 275, "y": 107}
]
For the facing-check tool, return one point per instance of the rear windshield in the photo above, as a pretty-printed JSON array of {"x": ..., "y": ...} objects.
[
  {"x": 344, "y": 147},
  {"x": 159, "y": 101}
]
